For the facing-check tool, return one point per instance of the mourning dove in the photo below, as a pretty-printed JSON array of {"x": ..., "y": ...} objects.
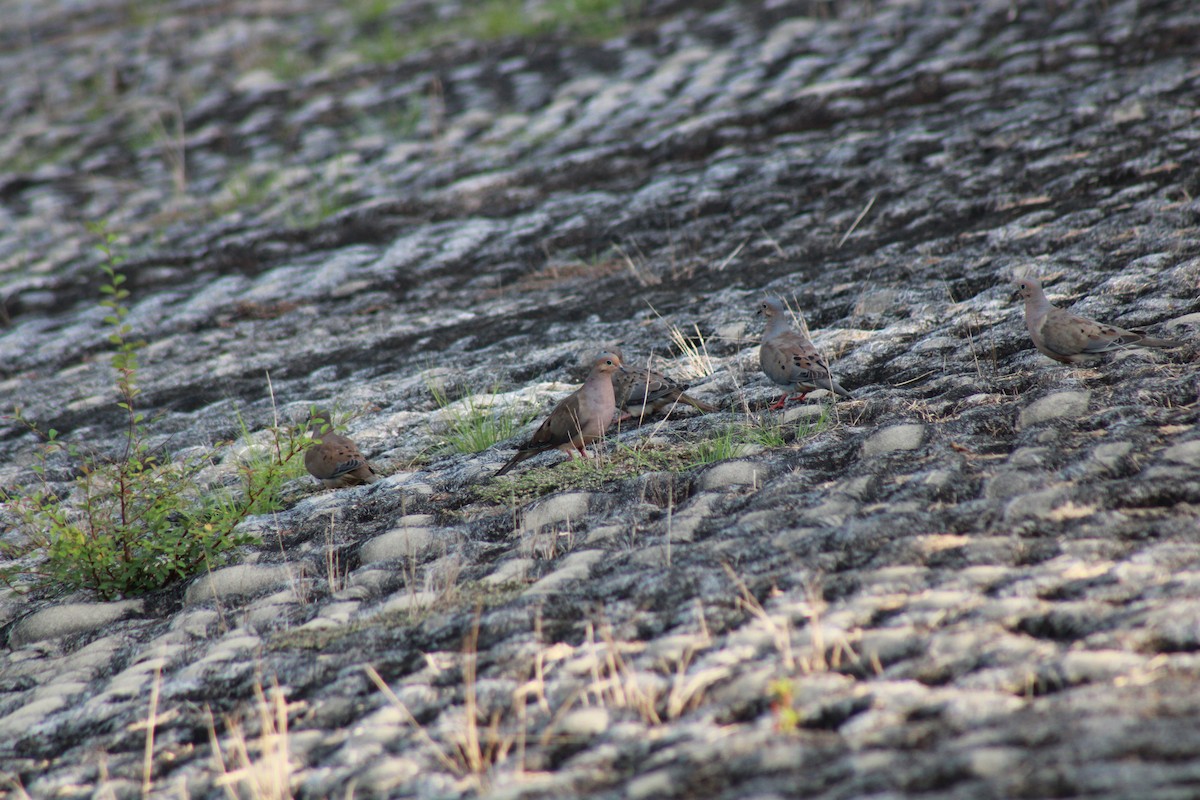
[
  {"x": 579, "y": 419},
  {"x": 1070, "y": 338},
  {"x": 335, "y": 460},
  {"x": 643, "y": 392},
  {"x": 789, "y": 358}
]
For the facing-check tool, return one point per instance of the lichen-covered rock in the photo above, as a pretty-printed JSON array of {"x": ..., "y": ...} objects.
[{"x": 978, "y": 576}]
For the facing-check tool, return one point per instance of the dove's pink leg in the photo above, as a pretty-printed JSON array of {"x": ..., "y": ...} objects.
[{"x": 783, "y": 401}]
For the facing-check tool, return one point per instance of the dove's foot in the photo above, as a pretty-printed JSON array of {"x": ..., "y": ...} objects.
[{"x": 783, "y": 401}]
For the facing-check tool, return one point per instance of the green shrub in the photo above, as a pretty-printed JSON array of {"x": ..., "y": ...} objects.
[{"x": 136, "y": 521}]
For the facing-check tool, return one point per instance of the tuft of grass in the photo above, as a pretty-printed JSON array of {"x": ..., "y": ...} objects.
[
  {"x": 289, "y": 63},
  {"x": 319, "y": 204},
  {"x": 473, "y": 750},
  {"x": 622, "y": 462},
  {"x": 733, "y": 441},
  {"x": 728, "y": 443},
  {"x": 806, "y": 429},
  {"x": 768, "y": 431},
  {"x": 473, "y": 424},
  {"x": 260, "y": 766},
  {"x": 694, "y": 350}
]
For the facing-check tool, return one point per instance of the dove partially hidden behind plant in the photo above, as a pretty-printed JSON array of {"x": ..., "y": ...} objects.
[
  {"x": 335, "y": 460},
  {"x": 579, "y": 419},
  {"x": 642, "y": 392},
  {"x": 789, "y": 358},
  {"x": 1070, "y": 338}
]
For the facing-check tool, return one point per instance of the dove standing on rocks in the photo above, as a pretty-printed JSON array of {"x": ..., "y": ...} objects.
[
  {"x": 335, "y": 460},
  {"x": 579, "y": 419},
  {"x": 1070, "y": 338},
  {"x": 789, "y": 358},
  {"x": 643, "y": 392}
]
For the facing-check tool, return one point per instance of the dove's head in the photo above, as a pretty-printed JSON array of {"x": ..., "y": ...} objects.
[
  {"x": 607, "y": 363},
  {"x": 1028, "y": 287},
  {"x": 770, "y": 308}
]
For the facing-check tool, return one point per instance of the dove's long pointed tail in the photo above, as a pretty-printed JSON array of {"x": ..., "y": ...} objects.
[
  {"x": 699, "y": 405},
  {"x": 517, "y": 459},
  {"x": 834, "y": 387},
  {"x": 1147, "y": 341}
]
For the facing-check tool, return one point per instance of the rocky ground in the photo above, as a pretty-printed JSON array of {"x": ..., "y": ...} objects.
[{"x": 977, "y": 578}]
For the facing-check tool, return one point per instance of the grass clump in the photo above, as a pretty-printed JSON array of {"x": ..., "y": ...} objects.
[
  {"x": 472, "y": 425},
  {"x": 728, "y": 443},
  {"x": 621, "y": 462},
  {"x": 734, "y": 441},
  {"x": 138, "y": 520}
]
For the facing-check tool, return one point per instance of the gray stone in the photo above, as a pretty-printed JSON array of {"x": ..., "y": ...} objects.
[
  {"x": 891, "y": 439},
  {"x": 70, "y": 618},
  {"x": 1108, "y": 456},
  {"x": 1184, "y": 453},
  {"x": 514, "y": 570},
  {"x": 571, "y": 568},
  {"x": 1027, "y": 457},
  {"x": 236, "y": 581},
  {"x": 568, "y": 507},
  {"x": 734, "y": 473},
  {"x": 1055, "y": 406},
  {"x": 584, "y": 723},
  {"x": 401, "y": 542}
]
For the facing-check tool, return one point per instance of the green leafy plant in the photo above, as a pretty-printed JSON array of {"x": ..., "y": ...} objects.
[
  {"x": 137, "y": 520},
  {"x": 787, "y": 718}
]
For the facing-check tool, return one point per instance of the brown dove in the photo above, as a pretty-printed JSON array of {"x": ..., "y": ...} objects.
[
  {"x": 789, "y": 358},
  {"x": 1070, "y": 338},
  {"x": 643, "y": 392},
  {"x": 579, "y": 419},
  {"x": 335, "y": 460}
]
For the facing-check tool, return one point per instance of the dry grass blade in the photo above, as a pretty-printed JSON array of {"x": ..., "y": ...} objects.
[
  {"x": 721, "y": 267},
  {"x": 151, "y": 721},
  {"x": 14, "y": 784},
  {"x": 644, "y": 280},
  {"x": 474, "y": 751},
  {"x": 781, "y": 633},
  {"x": 699, "y": 365},
  {"x": 261, "y": 770},
  {"x": 445, "y": 760},
  {"x": 857, "y": 220},
  {"x": 615, "y": 682}
]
